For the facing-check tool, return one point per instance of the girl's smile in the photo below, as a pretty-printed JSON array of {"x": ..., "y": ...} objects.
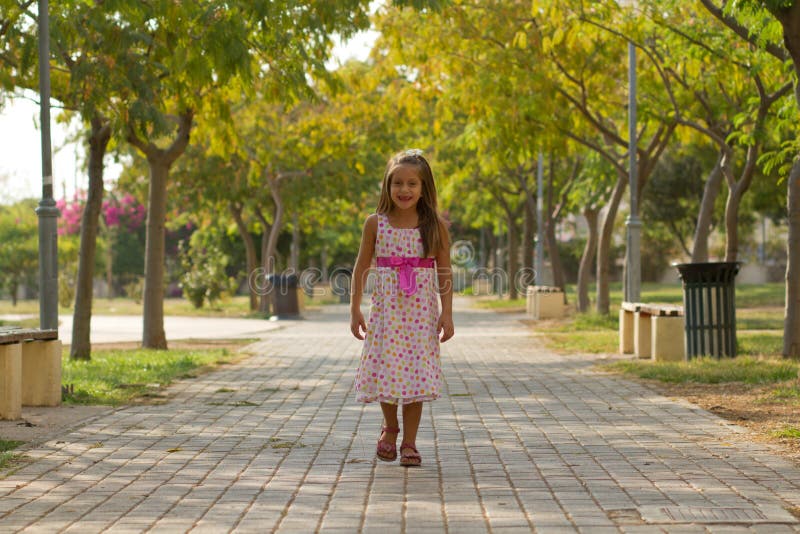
[{"x": 406, "y": 187}]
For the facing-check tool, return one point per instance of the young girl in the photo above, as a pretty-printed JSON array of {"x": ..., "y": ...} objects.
[{"x": 400, "y": 360}]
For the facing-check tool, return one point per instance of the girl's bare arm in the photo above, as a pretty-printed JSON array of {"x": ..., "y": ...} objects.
[
  {"x": 360, "y": 271},
  {"x": 444, "y": 274}
]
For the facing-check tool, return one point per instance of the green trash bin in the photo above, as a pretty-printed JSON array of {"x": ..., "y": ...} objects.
[{"x": 709, "y": 308}]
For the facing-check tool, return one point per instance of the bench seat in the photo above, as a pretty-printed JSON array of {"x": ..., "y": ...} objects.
[
  {"x": 30, "y": 369},
  {"x": 652, "y": 331}
]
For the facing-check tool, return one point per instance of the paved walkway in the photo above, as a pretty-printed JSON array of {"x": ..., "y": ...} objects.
[
  {"x": 523, "y": 440},
  {"x": 117, "y": 328}
]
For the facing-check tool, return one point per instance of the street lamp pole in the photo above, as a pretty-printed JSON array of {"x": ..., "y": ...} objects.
[
  {"x": 633, "y": 269},
  {"x": 47, "y": 211}
]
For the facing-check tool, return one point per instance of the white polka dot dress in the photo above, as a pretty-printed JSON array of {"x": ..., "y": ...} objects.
[{"x": 400, "y": 359}]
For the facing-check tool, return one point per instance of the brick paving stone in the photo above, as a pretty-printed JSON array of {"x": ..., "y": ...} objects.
[{"x": 522, "y": 440}]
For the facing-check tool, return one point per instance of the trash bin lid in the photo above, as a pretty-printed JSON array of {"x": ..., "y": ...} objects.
[{"x": 713, "y": 271}]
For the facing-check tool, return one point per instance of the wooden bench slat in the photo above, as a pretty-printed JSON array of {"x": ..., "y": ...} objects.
[
  {"x": 631, "y": 306},
  {"x": 661, "y": 310},
  {"x": 13, "y": 334}
]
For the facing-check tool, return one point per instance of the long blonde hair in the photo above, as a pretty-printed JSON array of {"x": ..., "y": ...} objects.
[{"x": 431, "y": 225}]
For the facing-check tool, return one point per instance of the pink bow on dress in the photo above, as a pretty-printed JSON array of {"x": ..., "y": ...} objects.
[{"x": 406, "y": 277}]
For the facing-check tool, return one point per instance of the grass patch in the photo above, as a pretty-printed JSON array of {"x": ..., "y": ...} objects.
[
  {"x": 788, "y": 432},
  {"x": 759, "y": 343},
  {"x": 238, "y": 306},
  {"x": 759, "y": 318},
  {"x": 119, "y": 376},
  {"x": 787, "y": 394},
  {"x": 277, "y": 443},
  {"x": 7, "y": 457},
  {"x": 743, "y": 369},
  {"x": 595, "y": 342},
  {"x": 500, "y": 304},
  {"x": 9, "y": 444}
]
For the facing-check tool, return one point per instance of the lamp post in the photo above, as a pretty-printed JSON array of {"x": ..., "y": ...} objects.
[
  {"x": 633, "y": 268},
  {"x": 47, "y": 211}
]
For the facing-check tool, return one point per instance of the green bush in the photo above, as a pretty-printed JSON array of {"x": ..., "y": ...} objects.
[{"x": 204, "y": 278}]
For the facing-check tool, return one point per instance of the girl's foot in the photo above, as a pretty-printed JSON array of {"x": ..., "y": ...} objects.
[
  {"x": 387, "y": 448},
  {"x": 409, "y": 455}
]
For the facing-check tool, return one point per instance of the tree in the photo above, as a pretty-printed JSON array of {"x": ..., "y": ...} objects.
[
  {"x": 168, "y": 79},
  {"x": 19, "y": 246},
  {"x": 787, "y": 13}
]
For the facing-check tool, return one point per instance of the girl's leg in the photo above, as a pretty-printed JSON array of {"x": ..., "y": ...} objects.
[
  {"x": 412, "y": 413},
  {"x": 390, "y": 421}
]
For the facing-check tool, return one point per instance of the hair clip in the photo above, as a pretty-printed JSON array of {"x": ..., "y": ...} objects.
[{"x": 413, "y": 152}]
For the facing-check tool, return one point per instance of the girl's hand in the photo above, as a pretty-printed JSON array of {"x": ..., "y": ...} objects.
[
  {"x": 445, "y": 327},
  {"x": 357, "y": 324}
]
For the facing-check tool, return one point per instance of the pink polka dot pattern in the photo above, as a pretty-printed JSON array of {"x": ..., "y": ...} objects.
[{"x": 400, "y": 360}]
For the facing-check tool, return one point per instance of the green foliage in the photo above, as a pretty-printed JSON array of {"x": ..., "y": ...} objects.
[
  {"x": 66, "y": 288},
  {"x": 204, "y": 278},
  {"x": 19, "y": 245},
  {"x": 119, "y": 376},
  {"x": 682, "y": 169},
  {"x": 134, "y": 289}
]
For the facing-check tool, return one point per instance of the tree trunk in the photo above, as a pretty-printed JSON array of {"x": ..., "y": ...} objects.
[
  {"x": 269, "y": 258},
  {"x": 159, "y": 160},
  {"x": 550, "y": 233},
  {"x": 263, "y": 305},
  {"x": 703, "y": 227},
  {"x": 153, "y": 335},
  {"x": 552, "y": 251},
  {"x": 80, "y": 347},
  {"x": 249, "y": 249},
  {"x": 603, "y": 305},
  {"x": 529, "y": 233},
  {"x": 791, "y": 324},
  {"x": 294, "y": 257},
  {"x": 790, "y": 20},
  {"x": 587, "y": 258},
  {"x": 732, "y": 224},
  {"x": 513, "y": 260},
  {"x": 323, "y": 260},
  {"x": 14, "y": 287}
]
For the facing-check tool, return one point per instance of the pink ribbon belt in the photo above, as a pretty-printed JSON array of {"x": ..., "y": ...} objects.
[{"x": 407, "y": 278}]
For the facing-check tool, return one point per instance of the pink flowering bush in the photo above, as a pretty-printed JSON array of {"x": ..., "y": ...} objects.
[
  {"x": 125, "y": 213},
  {"x": 71, "y": 212}
]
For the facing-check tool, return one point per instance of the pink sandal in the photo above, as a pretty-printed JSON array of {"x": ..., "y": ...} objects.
[
  {"x": 409, "y": 459},
  {"x": 385, "y": 451}
]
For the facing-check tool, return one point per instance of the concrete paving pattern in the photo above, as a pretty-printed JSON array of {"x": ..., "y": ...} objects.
[{"x": 523, "y": 440}]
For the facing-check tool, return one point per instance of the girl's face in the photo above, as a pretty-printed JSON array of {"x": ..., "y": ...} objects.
[{"x": 405, "y": 188}]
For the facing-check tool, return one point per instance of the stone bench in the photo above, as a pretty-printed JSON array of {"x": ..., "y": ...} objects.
[
  {"x": 544, "y": 302},
  {"x": 30, "y": 369},
  {"x": 652, "y": 331}
]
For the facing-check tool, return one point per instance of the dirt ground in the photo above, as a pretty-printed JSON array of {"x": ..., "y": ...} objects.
[{"x": 745, "y": 405}]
